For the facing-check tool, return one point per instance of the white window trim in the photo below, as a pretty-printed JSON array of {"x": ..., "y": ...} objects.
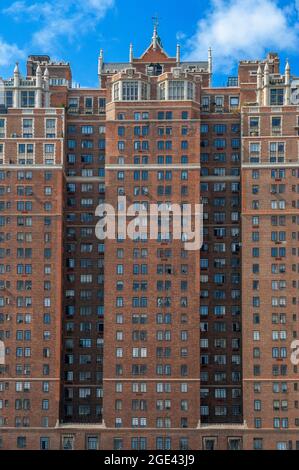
[
  {"x": 281, "y": 126},
  {"x": 259, "y": 126},
  {"x": 47, "y": 157},
  {"x": 234, "y": 108},
  {"x": 249, "y": 152},
  {"x": 2, "y": 155},
  {"x": 54, "y": 129},
  {"x": 279, "y": 141},
  {"x": 5, "y": 128},
  {"x": 26, "y": 154},
  {"x": 32, "y": 127}
]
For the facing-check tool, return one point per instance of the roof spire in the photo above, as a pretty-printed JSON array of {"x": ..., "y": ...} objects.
[
  {"x": 16, "y": 69},
  {"x": 287, "y": 73},
  {"x": 178, "y": 54},
  {"x": 131, "y": 54},
  {"x": 100, "y": 61},
  {"x": 155, "y": 37},
  {"x": 210, "y": 60},
  {"x": 210, "y": 65}
]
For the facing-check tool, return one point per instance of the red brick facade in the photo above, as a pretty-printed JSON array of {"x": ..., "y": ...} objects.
[{"x": 141, "y": 344}]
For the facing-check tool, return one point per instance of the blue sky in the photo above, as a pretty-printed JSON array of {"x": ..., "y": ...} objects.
[{"x": 75, "y": 30}]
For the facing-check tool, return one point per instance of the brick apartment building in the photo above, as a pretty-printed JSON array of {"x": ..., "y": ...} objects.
[{"x": 141, "y": 344}]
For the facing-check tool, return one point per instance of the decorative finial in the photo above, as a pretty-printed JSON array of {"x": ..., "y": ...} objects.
[
  {"x": 155, "y": 22},
  {"x": 259, "y": 79},
  {"x": 178, "y": 54},
  {"x": 100, "y": 62},
  {"x": 155, "y": 32},
  {"x": 131, "y": 54},
  {"x": 210, "y": 60}
]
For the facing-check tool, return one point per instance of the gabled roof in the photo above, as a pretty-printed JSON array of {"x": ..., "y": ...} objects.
[
  {"x": 153, "y": 54},
  {"x": 155, "y": 46}
]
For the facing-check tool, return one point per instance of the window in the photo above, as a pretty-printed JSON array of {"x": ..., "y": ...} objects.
[
  {"x": 234, "y": 102},
  {"x": 2, "y": 353},
  {"x": 92, "y": 443},
  {"x": 163, "y": 443},
  {"x": 219, "y": 128},
  {"x": 117, "y": 443},
  {"x": 190, "y": 96},
  {"x": 68, "y": 443},
  {"x": 8, "y": 99},
  {"x": 254, "y": 152},
  {"x": 129, "y": 90},
  {"x": 277, "y": 152},
  {"x": 176, "y": 90},
  {"x": 278, "y": 204},
  {"x": 254, "y": 125},
  {"x": 276, "y": 96},
  {"x": 88, "y": 101},
  {"x": 25, "y": 154},
  {"x": 21, "y": 442},
  {"x": 219, "y": 102},
  {"x": 1, "y": 153},
  {"x": 44, "y": 443},
  {"x": 27, "y": 128},
  {"x": 49, "y": 154},
  {"x": 205, "y": 103},
  {"x": 73, "y": 103},
  {"x": 50, "y": 130},
  {"x": 276, "y": 125},
  {"x": 219, "y": 143},
  {"x": 27, "y": 99},
  {"x": 87, "y": 130},
  {"x": 235, "y": 144}
]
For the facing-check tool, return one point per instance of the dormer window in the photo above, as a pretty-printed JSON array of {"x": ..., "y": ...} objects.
[{"x": 154, "y": 70}]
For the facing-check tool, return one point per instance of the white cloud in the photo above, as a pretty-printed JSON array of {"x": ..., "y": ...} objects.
[
  {"x": 9, "y": 53},
  {"x": 238, "y": 29},
  {"x": 68, "y": 19}
]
